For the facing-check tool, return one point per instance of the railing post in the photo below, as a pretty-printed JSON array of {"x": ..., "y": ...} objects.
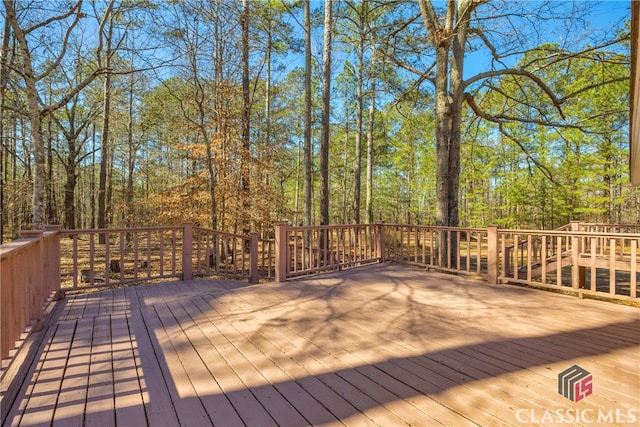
[
  {"x": 187, "y": 250},
  {"x": 53, "y": 269},
  {"x": 577, "y": 276},
  {"x": 253, "y": 258},
  {"x": 282, "y": 246},
  {"x": 380, "y": 236},
  {"x": 492, "y": 254},
  {"x": 35, "y": 283}
]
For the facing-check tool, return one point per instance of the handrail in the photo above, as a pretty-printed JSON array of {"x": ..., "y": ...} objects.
[
  {"x": 80, "y": 259},
  {"x": 306, "y": 250},
  {"x": 452, "y": 249},
  {"x": 117, "y": 256},
  {"x": 231, "y": 255},
  {"x": 29, "y": 279},
  {"x": 586, "y": 262},
  {"x": 562, "y": 259}
]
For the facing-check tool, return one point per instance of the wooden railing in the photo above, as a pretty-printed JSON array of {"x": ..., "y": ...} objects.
[
  {"x": 313, "y": 249},
  {"x": 596, "y": 263},
  {"x": 605, "y": 228},
  {"x": 236, "y": 256},
  {"x": 450, "y": 249},
  {"x": 29, "y": 279},
  {"x": 40, "y": 264},
  {"x": 118, "y": 256}
]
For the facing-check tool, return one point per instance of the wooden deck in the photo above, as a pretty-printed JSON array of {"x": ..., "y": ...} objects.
[{"x": 381, "y": 345}]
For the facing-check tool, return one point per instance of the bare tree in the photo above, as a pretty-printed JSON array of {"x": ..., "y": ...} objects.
[
  {"x": 502, "y": 29},
  {"x": 36, "y": 110}
]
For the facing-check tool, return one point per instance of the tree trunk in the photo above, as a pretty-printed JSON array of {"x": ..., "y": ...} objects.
[
  {"x": 92, "y": 179},
  {"x": 71, "y": 178},
  {"x": 131, "y": 160},
  {"x": 308, "y": 105},
  {"x": 345, "y": 175},
  {"x": 326, "y": 111},
  {"x": 69, "y": 193},
  {"x": 267, "y": 91},
  {"x": 372, "y": 111},
  {"x": 449, "y": 41},
  {"x": 104, "y": 155},
  {"x": 38, "y": 207},
  {"x": 51, "y": 195},
  {"x": 246, "y": 115},
  {"x": 4, "y": 79},
  {"x": 357, "y": 167}
]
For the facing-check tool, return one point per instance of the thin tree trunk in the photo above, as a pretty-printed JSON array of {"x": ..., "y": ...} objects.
[
  {"x": 357, "y": 168},
  {"x": 69, "y": 193},
  {"x": 345, "y": 175},
  {"x": 92, "y": 181},
  {"x": 267, "y": 91},
  {"x": 308, "y": 147},
  {"x": 296, "y": 208},
  {"x": 4, "y": 79},
  {"x": 372, "y": 111},
  {"x": 246, "y": 116},
  {"x": 51, "y": 197},
  {"x": 131, "y": 160},
  {"x": 326, "y": 111},
  {"x": 104, "y": 155}
]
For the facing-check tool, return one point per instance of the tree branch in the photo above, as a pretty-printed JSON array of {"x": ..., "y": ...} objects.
[
  {"x": 63, "y": 52},
  {"x": 73, "y": 92},
  {"x": 518, "y": 72},
  {"x": 592, "y": 86},
  {"x": 504, "y": 118},
  {"x": 72, "y": 10},
  {"x": 501, "y": 120}
]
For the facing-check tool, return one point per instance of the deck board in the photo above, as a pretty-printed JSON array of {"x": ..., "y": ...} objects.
[{"x": 378, "y": 345}]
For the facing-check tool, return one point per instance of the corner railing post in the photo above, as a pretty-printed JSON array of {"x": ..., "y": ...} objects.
[
  {"x": 577, "y": 279},
  {"x": 380, "y": 236},
  {"x": 282, "y": 245},
  {"x": 253, "y": 258},
  {"x": 492, "y": 254},
  {"x": 36, "y": 277},
  {"x": 187, "y": 250}
]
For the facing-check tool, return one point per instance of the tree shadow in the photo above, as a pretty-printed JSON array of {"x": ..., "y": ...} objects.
[{"x": 323, "y": 350}]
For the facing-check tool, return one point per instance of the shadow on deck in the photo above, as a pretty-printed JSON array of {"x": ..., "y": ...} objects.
[{"x": 377, "y": 345}]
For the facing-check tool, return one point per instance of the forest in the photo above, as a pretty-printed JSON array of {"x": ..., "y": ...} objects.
[{"x": 237, "y": 114}]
